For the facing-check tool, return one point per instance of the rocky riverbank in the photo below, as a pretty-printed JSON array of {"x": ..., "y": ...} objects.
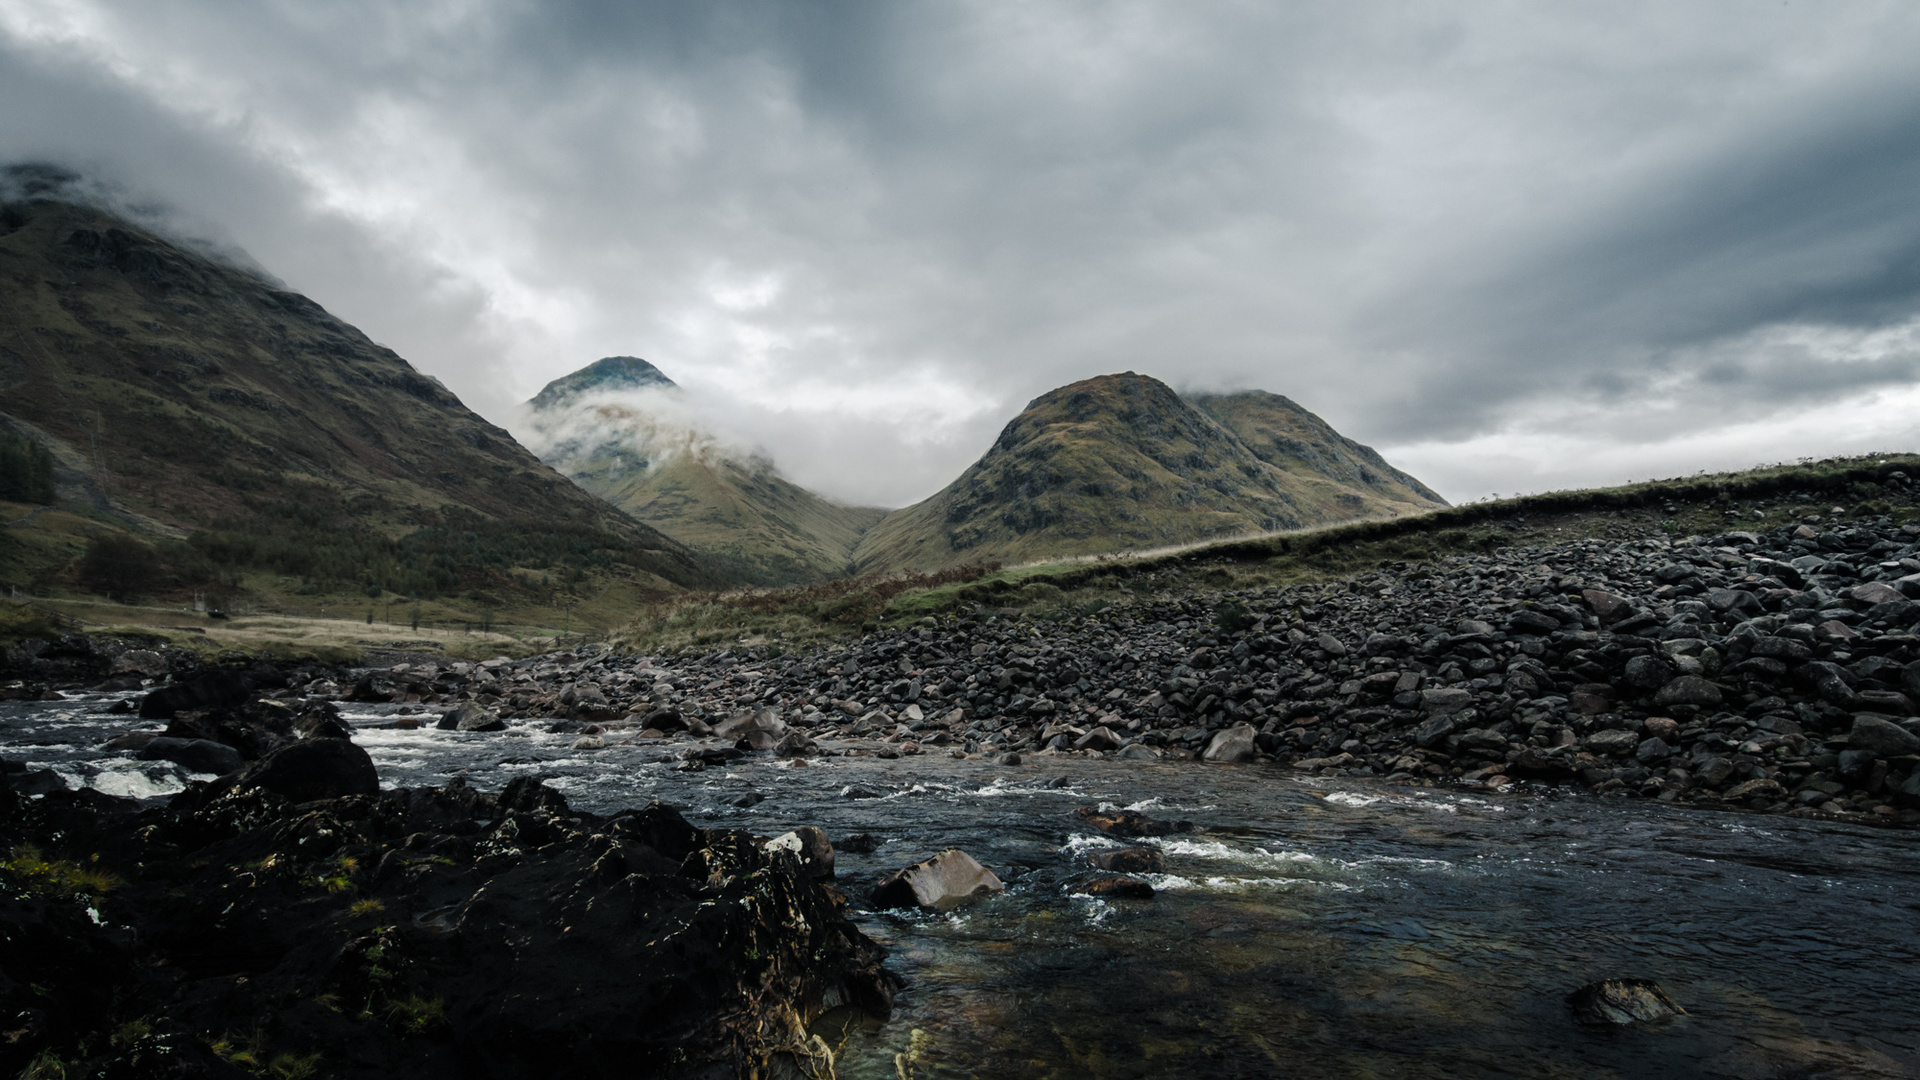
[
  {"x": 1774, "y": 672},
  {"x": 427, "y": 932}
]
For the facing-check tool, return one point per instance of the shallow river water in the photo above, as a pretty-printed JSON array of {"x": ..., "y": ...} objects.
[{"x": 1313, "y": 929}]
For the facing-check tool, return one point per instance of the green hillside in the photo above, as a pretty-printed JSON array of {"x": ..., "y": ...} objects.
[
  {"x": 244, "y": 434},
  {"x": 1121, "y": 462}
]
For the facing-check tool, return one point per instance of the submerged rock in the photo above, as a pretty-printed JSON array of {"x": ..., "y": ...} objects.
[
  {"x": 947, "y": 880},
  {"x": 197, "y": 755},
  {"x": 1130, "y": 822},
  {"x": 1131, "y": 860},
  {"x": 1622, "y": 1001},
  {"x": 1118, "y": 887}
]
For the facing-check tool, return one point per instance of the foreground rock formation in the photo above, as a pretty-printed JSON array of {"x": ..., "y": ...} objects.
[{"x": 427, "y": 932}]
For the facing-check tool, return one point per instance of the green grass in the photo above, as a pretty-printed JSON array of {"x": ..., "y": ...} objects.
[{"x": 57, "y": 877}]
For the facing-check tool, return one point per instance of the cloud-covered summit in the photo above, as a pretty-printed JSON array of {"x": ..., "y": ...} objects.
[{"x": 1513, "y": 246}]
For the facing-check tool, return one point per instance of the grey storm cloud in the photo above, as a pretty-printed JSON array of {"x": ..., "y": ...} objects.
[{"x": 864, "y": 234}]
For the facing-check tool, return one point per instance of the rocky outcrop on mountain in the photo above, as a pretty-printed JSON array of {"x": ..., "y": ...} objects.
[
  {"x": 1121, "y": 462},
  {"x": 436, "y": 932}
]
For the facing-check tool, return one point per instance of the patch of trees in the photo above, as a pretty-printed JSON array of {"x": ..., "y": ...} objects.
[{"x": 26, "y": 470}]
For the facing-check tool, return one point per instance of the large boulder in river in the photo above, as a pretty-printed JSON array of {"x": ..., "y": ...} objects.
[
  {"x": 1622, "y": 1001},
  {"x": 207, "y": 690},
  {"x": 947, "y": 880},
  {"x": 322, "y": 768},
  {"x": 196, "y": 755},
  {"x": 1233, "y": 744}
]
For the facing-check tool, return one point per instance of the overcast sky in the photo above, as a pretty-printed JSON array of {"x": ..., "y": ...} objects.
[{"x": 1514, "y": 246}]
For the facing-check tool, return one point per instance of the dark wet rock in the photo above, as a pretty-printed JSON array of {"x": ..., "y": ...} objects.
[
  {"x": 1232, "y": 745},
  {"x": 1622, "y": 1001},
  {"x": 196, "y": 755},
  {"x": 322, "y": 768},
  {"x": 1445, "y": 701},
  {"x": 860, "y": 843},
  {"x": 1758, "y": 788},
  {"x": 1612, "y": 742},
  {"x": 1131, "y": 860},
  {"x": 1688, "y": 690},
  {"x": 1115, "y": 887},
  {"x": 1127, "y": 823},
  {"x": 207, "y": 690},
  {"x": 471, "y": 718},
  {"x": 134, "y": 741},
  {"x": 948, "y": 880},
  {"x": 1133, "y": 752},
  {"x": 472, "y": 937},
  {"x": 855, "y": 791},
  {"x": 1882, "y": 735},
  {"x": 1432, "y": 734},
  {"x": 809, "y": 846}
]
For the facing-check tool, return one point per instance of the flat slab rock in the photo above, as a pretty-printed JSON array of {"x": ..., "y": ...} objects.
[{"x": 947, "y": 880}]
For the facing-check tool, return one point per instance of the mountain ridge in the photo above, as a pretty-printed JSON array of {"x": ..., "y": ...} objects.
[{"x": 1106, "y": 464}]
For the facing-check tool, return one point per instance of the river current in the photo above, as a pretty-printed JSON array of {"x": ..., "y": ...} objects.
[{"x": 1305, "y": 927}]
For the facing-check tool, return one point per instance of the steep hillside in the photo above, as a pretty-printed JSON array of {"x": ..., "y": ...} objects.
[
  {"x": 1122, "y": 462},
  {"x": 1334, "y": 475},
  {"x": 733, "y": 508},
  {"x": 181, "y": 397}
]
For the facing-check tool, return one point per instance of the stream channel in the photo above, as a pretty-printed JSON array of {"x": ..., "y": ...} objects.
[{"x": 1305, "y": 927}]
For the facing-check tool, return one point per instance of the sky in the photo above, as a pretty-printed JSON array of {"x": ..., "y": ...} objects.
[{"x": 1513, "y": 246}]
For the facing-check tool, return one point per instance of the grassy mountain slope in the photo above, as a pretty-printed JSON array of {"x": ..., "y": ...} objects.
[
  {"x": 1122, "y": 462},
  {"x": 736, "y": 511},
  {"x": 1331, "y": 473},
  {"x": 183, "y": 398}
]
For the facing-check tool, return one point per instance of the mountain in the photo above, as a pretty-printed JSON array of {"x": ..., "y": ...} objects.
[
  {"x": 182, "y": 397},
  {"x": 1122, "y": 462},
  {"x": 645, "y": 455},
  {"x": 610, "y": 374}
]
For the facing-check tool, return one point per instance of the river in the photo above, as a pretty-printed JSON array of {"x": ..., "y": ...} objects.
[{"x": 1303, "y": 928}]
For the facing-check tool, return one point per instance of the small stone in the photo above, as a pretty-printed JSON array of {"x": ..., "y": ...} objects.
[
  {"x": 1612, "y": 742},
  {"x": 1688, "y": 690},
  {"x": 1622, "y": 1001},
  {"x": 1445, "y": 700},
  {"x": 946, "y": 881}
]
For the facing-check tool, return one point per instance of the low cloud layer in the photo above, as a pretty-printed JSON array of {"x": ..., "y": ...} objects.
[{"x": 1514, "y": 247}]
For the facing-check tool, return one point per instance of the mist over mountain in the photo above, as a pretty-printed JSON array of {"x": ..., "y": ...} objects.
[
  {"x": 622, "y": 430},
  {"x": 1108, "y": 464}
]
